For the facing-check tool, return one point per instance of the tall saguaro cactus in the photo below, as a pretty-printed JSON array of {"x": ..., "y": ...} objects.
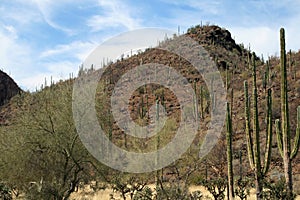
[
  {"x": 201, "y": 102},
  {"x": 196, "y": 108},
  {"x": 157, "y": 143},
  {"x": 253, "y": 139},
  {"x": 229, "y": 153},
  {"x": 283, "y": 132}
]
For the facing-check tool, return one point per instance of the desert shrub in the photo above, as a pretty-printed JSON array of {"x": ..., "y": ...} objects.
[
  {"x": 145, "y": 194},
  {"x": 5, "y": 192},
  {"x": 196, "y": 195},
  {"x": 242, "y": 188},
  {"x": 177, "y": 192},
  {"x": 276, "y": 190},
  {"x": 125, "y": 185},
  {"x": 216, "y": 187},
  {"x": 172, "y": 191}
]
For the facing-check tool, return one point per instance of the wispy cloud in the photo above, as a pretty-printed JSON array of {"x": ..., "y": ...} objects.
[
  {"x": 13, "y": 53},
  {"x": 51, "y": 38},
  {"x": 11, "y": 31},
  {"x": 292, "y": 33},
  {"x": 114, "y": 14},
  {"x": 262, "y": 40},
  {"x": 61, "y": 61},
  {"x": 211, "y": 7},
  {"x": 22, "y": 13},
  {"x": 54, "y": 71},
  {"x": 27, "y": 52},
  {"x": 46, "y": 8},
  {"x": 251, "y": 22},
  {"x": 76, "y": 49}
]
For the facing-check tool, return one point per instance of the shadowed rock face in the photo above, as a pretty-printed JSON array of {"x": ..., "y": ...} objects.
[{"x": 8, "y": 88}]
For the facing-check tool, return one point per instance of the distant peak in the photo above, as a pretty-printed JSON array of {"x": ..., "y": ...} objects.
[{"x": 8, "y": 88}]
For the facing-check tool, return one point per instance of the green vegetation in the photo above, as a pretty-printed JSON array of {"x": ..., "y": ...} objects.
[
  {"x": 253, "y": 141},
  {"x": 43, "y": 147},
  {"x": 283, "y": 132},
  {"x": 42, "y": 156}
]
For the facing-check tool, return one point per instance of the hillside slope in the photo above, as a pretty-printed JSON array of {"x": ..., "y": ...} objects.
[{"x": 228, "y": 56}]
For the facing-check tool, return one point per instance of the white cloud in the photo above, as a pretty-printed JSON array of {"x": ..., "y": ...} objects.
[
  {"x": 20, "y": 12},
  {"x": 11, "y": 31},
  {"x": 77, "y": 50},
  {"x": 56, "y": 71},
  {"x": 265, "y": 40},
  {"x": 14, "y": 56},
  {"x": 57, "y": 63},
  {"x": 29, "y": 70},
  {"x": 34, "y": 82},
  {"x": 29, "y": 63},
  {"x": 115, "y": 14},
  {"x": 136, "y": 40},
  {"x": 46, "y": 8},
  {"x": 292, "y": 30},
  {"x": 258, "y": 26},
  {"x": 262, "y": 40},
  {"x": 211, "y": 7}
]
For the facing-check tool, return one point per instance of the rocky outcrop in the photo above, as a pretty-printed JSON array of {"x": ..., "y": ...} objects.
[{"x": 8, "y": 88}]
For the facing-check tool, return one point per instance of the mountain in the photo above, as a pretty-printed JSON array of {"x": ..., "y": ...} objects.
[
  {"x": 231, "y": 58},
  {"x": 229, "y": 55},
  {"x": 8, "y": 88}
]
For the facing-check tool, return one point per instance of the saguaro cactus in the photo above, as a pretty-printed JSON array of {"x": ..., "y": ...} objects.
[
  {"x": 266, "y": 76},
  {"x": 241, "y": 164},
  {"x": 253, "y": 141},
  {"x": 201, "y": 102},
  {"x": 229, "y": 153},
  {"x": 212, "y": 94},
  {"x": 283, "y": 132},
  {"x": 227, "y": 78},
  {"x": 196, "y": 108},
  {"x": 290, "y": 62},
  {"x": 157, "y": 144}
]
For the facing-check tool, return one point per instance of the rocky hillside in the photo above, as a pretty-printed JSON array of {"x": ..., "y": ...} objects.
[
  {"x": 231, "y": 58},
  {"x": 227, "y": 55},
  {"x": 8, "y": 88}
]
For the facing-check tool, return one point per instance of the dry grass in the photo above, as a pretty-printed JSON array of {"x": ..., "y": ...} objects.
[{"x": 105, "y": 194}]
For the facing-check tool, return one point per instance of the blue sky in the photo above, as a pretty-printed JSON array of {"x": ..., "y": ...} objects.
[{"x": 43, "y": 38}]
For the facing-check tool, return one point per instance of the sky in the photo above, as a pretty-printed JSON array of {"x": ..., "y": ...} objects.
[{"x": 48, "y": 38}]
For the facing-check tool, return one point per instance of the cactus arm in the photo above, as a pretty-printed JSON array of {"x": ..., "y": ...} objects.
[
  {"x": 227, "y": 78},
  {"x": 247, "y": 120},
  {"x": 241, "y": 164},
  {"x": 255, "y": 122},
  {"x": 279, "y": 136},
  {"x": 201, "y": 102},
  {"x": 196, "y": 110},
  {"x": 268, "y": 149},
  {"x": 231, "y": 102},
  {"x": 268, "y": 71},
  {"x": 297, "y": 139}
]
